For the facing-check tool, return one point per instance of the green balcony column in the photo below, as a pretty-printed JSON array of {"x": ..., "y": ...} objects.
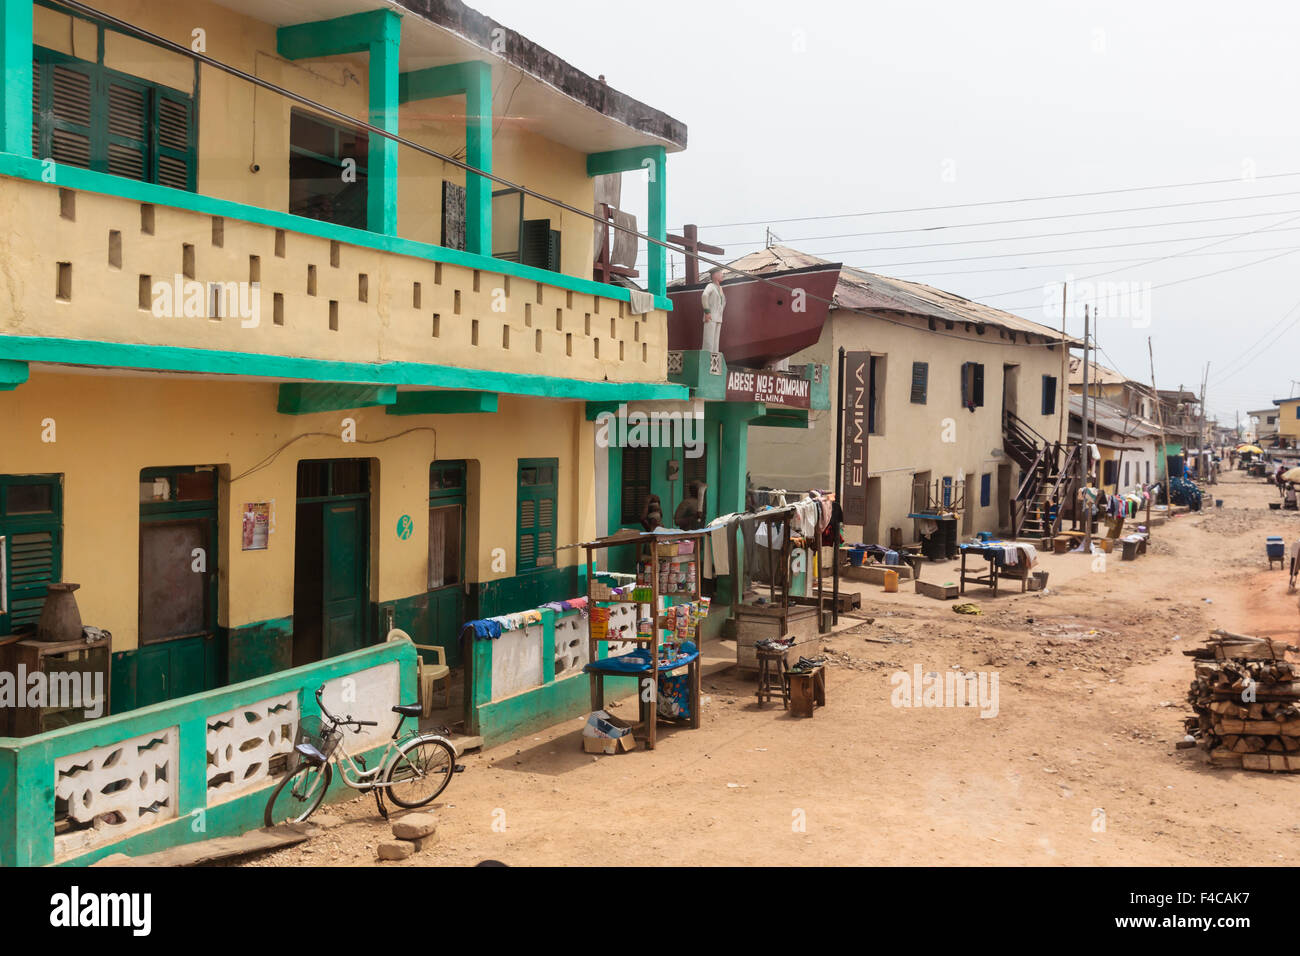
[
  {"x": 379, "y": 34},
  {"x": 478, "y": 153},
  {"x": 16, "y": 67},
  {"x": 472, "y": 78},
  {"x": 381, "y": 198},
  {"x": 653, "y": 160}
]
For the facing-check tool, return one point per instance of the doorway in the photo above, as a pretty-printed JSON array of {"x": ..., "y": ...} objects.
[
  {"x": 177, "y": 596},
  {"x": 1010, "y": 390},
  {"x": 1005, "y": 494},
  {"x": 447, "y": 555},
  {"x": 331, "y": 579}
]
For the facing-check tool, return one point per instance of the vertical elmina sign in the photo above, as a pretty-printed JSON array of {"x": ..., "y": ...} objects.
[{"x": 857, "y": 370}]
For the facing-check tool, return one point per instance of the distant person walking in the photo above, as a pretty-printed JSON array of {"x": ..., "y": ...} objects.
[{"x": 714, "y": 301}]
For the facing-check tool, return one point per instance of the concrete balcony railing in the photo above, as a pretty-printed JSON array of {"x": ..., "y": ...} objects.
[{"x": 92, "y": 266}]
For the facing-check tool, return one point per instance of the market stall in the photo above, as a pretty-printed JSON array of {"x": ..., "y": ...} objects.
[{"x": 666, "y": 655}]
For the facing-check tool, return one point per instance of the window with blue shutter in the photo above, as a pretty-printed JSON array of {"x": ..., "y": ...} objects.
[
  {"x": 1049, "y": 395},
  {"x": 920, "y": 380},
  {"x": 986, "y": 482}
]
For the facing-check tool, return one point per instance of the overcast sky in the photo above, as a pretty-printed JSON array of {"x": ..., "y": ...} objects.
[{"x": 827, "y": 108}]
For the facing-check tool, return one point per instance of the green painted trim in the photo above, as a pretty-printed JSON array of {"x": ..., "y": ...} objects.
[
  {"x": 378, "y": 33},
  {"x": 473, "y": 78},
  {"x": 12, "y": 374},
  {"x": 304, "y": 398},
  {"x": 503, "y": 720},
  {"x": 443, "y": 403},
  {"x": 783, "y": 418},
  {"x": 622, "y": 160},
  {"x": 696, "y": 375},
  {"x": 381, "y": 202},
  {"x": 16, "y": 28},
  {"x": 348, "y": 34},
  {"x": 595, "y": 409},
  {"x": 548, "y": 646},
  {"x": 168, "y": 358},
  {"x": 74, "y": 177},
  {"x": 654, "y": 159}
]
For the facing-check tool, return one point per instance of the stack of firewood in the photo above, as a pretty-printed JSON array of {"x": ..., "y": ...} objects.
[{"x": 1247, "y": 701}]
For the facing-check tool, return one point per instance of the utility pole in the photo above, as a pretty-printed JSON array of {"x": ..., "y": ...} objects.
[
  {"x": 1085, "y": 455},
  {"x": 1063, "y": 390},
  {"x": 1160, "y": 421}
]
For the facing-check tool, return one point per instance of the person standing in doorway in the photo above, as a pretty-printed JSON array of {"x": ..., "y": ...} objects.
[{"x": 714, "y": 302}]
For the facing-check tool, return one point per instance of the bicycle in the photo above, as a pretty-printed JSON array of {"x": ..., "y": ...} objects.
[{"x": 425, "y": 762}]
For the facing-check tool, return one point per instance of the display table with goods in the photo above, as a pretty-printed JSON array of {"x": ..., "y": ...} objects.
[{"x": 666, "y": 654}]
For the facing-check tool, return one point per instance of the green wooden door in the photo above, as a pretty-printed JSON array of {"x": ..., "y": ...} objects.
[{"x": 343, "y": 577}]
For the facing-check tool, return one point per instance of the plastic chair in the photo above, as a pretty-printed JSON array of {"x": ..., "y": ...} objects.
[{"x": 428, "y": 675}]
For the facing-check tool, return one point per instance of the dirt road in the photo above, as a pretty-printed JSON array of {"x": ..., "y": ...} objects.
[{"x": 1077, "y": 767}]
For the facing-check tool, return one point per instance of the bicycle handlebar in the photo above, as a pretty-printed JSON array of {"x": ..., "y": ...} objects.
[{"x": 344, "y": 720}]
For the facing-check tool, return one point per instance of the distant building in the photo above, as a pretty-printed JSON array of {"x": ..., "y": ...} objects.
[{"x": 961, "y": 404}]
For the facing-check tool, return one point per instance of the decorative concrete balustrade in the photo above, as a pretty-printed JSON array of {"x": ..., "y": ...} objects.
[{"x": 189, "y": 769}]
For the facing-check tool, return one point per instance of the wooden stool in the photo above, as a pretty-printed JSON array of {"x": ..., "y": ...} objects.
[
  {"x": 807, "y": 690},
  {"x": 771, "y": 677}
]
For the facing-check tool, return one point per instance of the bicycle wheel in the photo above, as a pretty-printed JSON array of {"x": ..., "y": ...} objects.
[
  {"x": 420, "y": 771},
  {"x": 299, "y": 794}
]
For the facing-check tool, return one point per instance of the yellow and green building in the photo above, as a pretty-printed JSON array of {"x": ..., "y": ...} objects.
[{"x": 270, "y": 380}]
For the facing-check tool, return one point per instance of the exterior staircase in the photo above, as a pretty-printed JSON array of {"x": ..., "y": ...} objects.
[{"x": 1049, "y": 473}]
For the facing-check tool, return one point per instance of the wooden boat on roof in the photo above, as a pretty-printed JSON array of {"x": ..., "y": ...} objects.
[{"x": 767, "y": 318}]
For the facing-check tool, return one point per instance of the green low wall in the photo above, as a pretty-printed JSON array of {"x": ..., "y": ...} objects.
[
  {"x": 554, "y": 701},
  {"x": 28, "y": 772}
]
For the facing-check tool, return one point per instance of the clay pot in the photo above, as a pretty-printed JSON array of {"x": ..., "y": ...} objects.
[{"x": 60, "y": 618}]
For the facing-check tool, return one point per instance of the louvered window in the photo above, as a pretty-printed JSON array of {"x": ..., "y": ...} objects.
[
  {"x": 31, "y": 552},
  {"x": 920, "y": 381},
  {"x": 536, "y": 513},
  {"x": 89, "y": 116},
  {"x": 636, "y": 484}
]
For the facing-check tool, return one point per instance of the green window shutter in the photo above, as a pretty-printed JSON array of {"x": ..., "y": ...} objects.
[
  {"x": 71, "y": 99},
  {"x": 31, "y": 521},
  {"x": 535, "y": 541},
  {"x": 128, "y": 123},
  {"x": 86, "y": 115},
  {"x": 174, "y": 119}
]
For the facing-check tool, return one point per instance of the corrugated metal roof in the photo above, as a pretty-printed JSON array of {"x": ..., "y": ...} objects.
[
  {"x": 1113, "y": 418},
  {"x": 858, "y": 289},
  {"x": 1097, "y": 374}
]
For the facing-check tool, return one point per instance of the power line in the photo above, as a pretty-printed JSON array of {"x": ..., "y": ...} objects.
[
  {"x": 1093, "y": 262},
  {"x": 1193, "y": 278},
  {"x": 1172, "y": 255},
  {"x": 995, "y": 202},
  {"x": 1006, "y": 222},
  {"x": 1245, "y": 357},
  {"x": 1043, "y": 252}
]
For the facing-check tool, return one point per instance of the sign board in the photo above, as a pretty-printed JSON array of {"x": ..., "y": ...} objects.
[
  {"x": 771, "y": 388},
  {"x": 857, "y": 385}
]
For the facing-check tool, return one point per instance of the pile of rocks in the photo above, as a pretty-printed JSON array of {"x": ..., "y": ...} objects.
[
  {"x": 412, "y": 833},
  {"x": 1247, "y": 701}
]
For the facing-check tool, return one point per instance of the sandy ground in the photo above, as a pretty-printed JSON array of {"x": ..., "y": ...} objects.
[{"x": 1077, "y": 767}]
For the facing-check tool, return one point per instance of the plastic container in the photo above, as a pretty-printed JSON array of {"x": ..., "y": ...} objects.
[
  {"x": 1276, "y": 547},
  {"x": 891, "y": 582},
  {"x": 856, "y": 554}
]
